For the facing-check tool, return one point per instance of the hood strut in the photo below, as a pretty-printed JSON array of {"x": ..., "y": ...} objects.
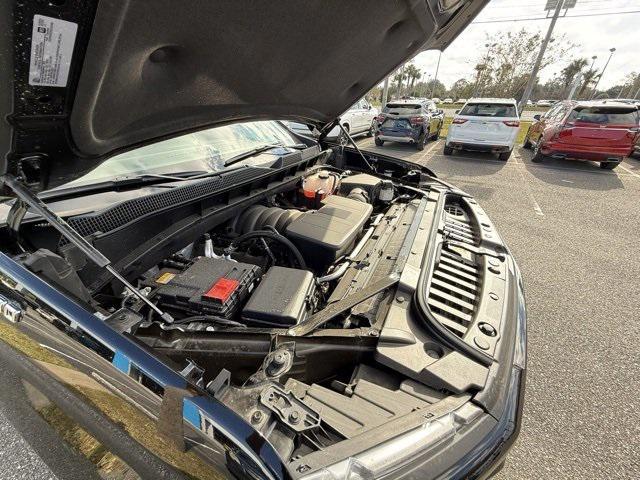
[{"x": 93, "y": 254}]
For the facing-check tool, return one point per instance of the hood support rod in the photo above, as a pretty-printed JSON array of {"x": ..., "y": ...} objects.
[{"x": 91, "y": 252}]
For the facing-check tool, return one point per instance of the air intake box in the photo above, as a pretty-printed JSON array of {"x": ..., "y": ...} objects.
[{"x": 326, "y": 234}]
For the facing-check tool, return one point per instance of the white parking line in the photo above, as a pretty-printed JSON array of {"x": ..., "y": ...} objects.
[
  {"x": 536, "y": 206},
  {"x": 629, "y": 171}
]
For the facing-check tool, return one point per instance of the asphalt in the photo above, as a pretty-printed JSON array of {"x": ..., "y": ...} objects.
[{"x": 574, "y": 230}]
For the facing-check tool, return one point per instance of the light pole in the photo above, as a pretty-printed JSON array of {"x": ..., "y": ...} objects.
[
  {"x": 435, "y": 78},
  {"x": 595, "y": 88},
  {"x": 536, "y": 66}
]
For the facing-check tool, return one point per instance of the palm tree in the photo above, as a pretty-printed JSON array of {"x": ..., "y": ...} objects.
[
  {"x": 589, "y": 77},
  {"x": 569, "y": 72},
  {"x": 413, "y": 73}
]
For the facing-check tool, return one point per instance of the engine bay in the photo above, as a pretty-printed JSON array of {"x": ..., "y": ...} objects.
[{"x": 277, "y": 309}]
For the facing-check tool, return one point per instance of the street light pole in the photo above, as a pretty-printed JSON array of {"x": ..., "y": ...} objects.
[
  {"x": 595, "y": 88},
  {"x": 536, "y": 66},
  {"x": 385, "y": 90},
  {"x": 435, "y": 78}
]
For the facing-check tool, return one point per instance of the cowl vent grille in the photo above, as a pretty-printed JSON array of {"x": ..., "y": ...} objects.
[{"x": 454, "y": 292}]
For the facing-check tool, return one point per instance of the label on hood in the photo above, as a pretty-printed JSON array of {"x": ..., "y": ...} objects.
[{"x": 52, "y": 43}]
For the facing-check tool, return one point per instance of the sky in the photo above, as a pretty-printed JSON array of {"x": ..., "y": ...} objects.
[{"x": 594, "y": 35}]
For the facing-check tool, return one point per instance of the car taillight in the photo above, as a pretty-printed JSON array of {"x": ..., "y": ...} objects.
[
  {"x": 416, "y": 120},
  {"x": 458, "y": 121},
  {"x": 511, "y": 123}
]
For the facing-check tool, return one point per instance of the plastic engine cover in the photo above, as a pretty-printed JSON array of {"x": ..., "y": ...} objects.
[
  {"x": 283, "y": 298},
  {"x": 326, "y": 234}
]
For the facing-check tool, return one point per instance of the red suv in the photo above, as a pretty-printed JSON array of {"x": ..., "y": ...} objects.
[{"x": 601, "y": 131}]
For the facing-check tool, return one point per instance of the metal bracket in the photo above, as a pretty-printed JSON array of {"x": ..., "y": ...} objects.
[{"x": 290, "y": 409}]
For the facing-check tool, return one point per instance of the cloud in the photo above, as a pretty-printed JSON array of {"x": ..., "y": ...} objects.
[{"x": 592, "y": 35}]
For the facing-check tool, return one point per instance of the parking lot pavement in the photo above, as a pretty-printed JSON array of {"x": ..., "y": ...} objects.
[{"x": 574, "y": 230}]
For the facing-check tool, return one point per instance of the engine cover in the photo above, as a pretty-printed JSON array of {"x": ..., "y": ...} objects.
[{"x": 324, "y": 235}]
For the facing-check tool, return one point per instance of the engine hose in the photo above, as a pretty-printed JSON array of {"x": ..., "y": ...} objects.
[{"x": 273, "y": 236}]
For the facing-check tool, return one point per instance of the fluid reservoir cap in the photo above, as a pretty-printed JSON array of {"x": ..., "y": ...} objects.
[{"x": 323, "y": 174}]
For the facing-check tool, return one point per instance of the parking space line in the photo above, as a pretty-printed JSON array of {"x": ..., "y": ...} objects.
[
  {"x": 629, "y": 171},
  {"x": 428, "y": 151},
  {"x": 536, "y": 205}
]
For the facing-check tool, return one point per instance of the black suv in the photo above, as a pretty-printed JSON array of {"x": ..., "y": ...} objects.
[{"x": 208, "y": 294}]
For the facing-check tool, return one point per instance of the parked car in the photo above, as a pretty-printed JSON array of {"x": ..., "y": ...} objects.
[
  {"x": 411, "y": 122},
  {"x": 602, "y": 131},
  {"x": 461, "y": 101},
  {"x": 485, "y": 125},
  {"x": 436, "y": 100},
  {"x": 529, "y": 103},
  {"x": 448, "y": 101},
  {"x": 358, "y": 120},
  {"x": 544, "y": 103},
  {"x": 209, "y": 295}
]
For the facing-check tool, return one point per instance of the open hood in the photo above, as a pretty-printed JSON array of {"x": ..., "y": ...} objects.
[{"x": 91, "y": 78}]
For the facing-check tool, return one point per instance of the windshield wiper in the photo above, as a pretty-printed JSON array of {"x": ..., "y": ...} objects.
[{"x": 260, "y": 149}]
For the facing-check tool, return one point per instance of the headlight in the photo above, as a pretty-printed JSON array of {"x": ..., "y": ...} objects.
[{"x": 383, "y": 459}]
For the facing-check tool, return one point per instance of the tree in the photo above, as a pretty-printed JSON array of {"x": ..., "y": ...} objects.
[
  {"x": 413, "y": 74},
  {"x": 590, "y": 77},
  {"x": 505, "y": 64},
  {"x": 568, "y": 73},
  {"x": 461, "y": 88}
]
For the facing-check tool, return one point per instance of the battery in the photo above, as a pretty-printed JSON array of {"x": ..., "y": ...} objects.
[{"x": 210, "y": 286}]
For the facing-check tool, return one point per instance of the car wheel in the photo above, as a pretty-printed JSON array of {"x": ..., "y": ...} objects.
[
  {"x": 447, "y": 150},
  {"x": 504, "y": 156},
  {"x": 609, "y": 165},
  {"x": 372, "y": 129},
  {"x": 436, "y": 135},
  {"x": 537, "y": 153},
  {"x": 379, "y": 142},
  {"x": 342, "y": 138},
  {"x": 422, "y": 140}
]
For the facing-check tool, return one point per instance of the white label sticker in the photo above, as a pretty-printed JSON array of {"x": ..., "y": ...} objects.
[{"x": 52, "y": 43}]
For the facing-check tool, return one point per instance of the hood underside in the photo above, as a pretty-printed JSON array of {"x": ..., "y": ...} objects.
[{"x": 92, "y": 78}]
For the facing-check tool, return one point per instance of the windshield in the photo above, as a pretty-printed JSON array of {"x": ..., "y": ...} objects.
[
  {"x": 489, "y": 110},
  {"x": 604, "y": 115},
  {"x": 206, "y": 151}
]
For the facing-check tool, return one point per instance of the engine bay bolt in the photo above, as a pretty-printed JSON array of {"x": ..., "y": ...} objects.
[
  {"x": 487, "y": 329},
  {"x": 279, "y": 358},
  {"x": 294, "y": 417},
  {"x": 256, "y": 417},
  {"x": 400, "y": 299}
]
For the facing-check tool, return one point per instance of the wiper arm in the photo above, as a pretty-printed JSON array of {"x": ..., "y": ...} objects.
[{"x": 260, "y": 149}]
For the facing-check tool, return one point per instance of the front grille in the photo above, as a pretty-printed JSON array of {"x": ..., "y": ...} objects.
[
  {"x": 457, "y": 226},
  {"x": 454, "y": 292}
]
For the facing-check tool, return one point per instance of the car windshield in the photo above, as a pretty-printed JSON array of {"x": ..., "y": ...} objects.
[
  {"x": 489, "y": 110},
  {"x": 206, "y": 151},
  {"x": 604, "y": 115}
]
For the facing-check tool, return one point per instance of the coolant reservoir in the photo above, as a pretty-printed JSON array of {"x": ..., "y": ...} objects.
[{"x": 319, "y": 185}]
